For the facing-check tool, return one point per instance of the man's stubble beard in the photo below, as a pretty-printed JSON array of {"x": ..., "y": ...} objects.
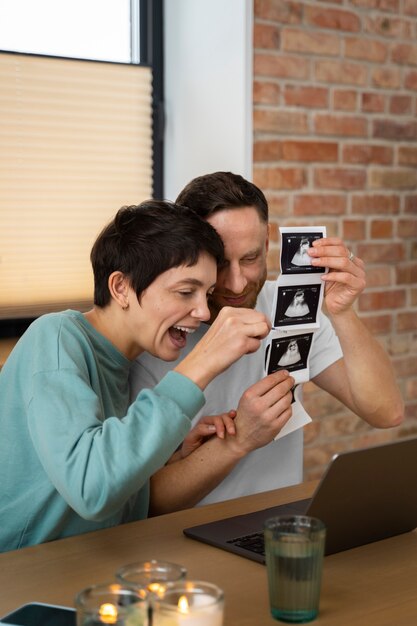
[{"x": 215, "y": 308}]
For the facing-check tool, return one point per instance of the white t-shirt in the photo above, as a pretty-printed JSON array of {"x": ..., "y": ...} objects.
[{"x": 279, "y": 463}]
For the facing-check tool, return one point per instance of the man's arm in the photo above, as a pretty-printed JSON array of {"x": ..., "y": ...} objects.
[
  {"x": 364, "y": 379},
  {"x": 262, "y": 411}
]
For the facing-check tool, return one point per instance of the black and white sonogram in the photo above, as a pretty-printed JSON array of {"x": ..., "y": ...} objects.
[
  {"x": 289, "y": 353},
  {"x": 297, "y": 304},
  {"x": 294, "y": 256}
]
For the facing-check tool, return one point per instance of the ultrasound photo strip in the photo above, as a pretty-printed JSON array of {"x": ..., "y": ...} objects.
[{"x": 297, "y": 303}]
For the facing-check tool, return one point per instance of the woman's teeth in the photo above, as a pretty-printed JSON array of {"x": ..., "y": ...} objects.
[{"x": 184, "y": 329}]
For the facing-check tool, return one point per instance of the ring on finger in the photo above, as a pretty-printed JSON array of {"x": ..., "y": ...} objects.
[{"x": 351, "y": 256}]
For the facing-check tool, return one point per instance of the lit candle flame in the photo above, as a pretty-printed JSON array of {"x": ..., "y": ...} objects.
[
  {"x": 156, "y": 588},
  {"x": 183, "y": 605},
  {"x": 108, "y": 613}
]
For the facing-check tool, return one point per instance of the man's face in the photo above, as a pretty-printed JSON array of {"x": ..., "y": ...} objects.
[{"x": 245, "y": 238}]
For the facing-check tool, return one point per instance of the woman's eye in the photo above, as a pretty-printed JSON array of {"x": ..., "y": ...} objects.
[{"x": 185, "y": 293}]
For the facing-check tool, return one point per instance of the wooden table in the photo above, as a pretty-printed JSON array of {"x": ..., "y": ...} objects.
[{"x": 375, "y": 585}]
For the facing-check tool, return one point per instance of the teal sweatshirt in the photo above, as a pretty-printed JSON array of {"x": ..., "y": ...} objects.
[{"x": 74, "y": 456}]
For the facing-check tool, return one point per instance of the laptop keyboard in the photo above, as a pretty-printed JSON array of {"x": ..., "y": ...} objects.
[{"x": 254, "y": 543}]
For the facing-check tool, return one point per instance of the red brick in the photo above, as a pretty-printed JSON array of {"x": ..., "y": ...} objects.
[
  {"x": 268, "y": 150},
  {"x": 398, "y": 131},
  {"x": 316, "y": 204},
  {"x": 386, "y": 77},
  {"x": 385, "y": 26},
  {"x": 407, "y": 321},
  {"x": 410, "y": 80},
  {"x": 309, "y": 97},
  {"x": 404, "y": 54},
  {"x": 401, "y": 105},
  {"x": 367, "y": 4},
  {"x": 411, "y": 389},
  {"x": 279, "y": 177},
  {"x": 375, "y": 203},
  {"x": 278, "y": 11},
  {"x": 393, "y": 179},
  {"x": 407, "y": 155},
  {"x": 382, "y": 229},
  {"x": 342, "y": 72},
  {"x": 265, "y": 92},
  {"x": 398, "y": 343},
  {"x": 345, "y": 99},
  {"x": 341, "y": 125},
  {"x": 381, "y": 252},
  {"x": 383, "y": 5},
  {"x": 339, "y": 178},
  {"x": 336, "y": 19},
  {"x": 411, "y": 204},
  {"x": 373, "y": 102},
  {"x": 380, "y": 276},
  {"x": 378, "y": 324},
  {"x": 310, "y": 42},
  {"x": 389, "y": 5},
  {"x": 410, "y": 7},
  {"x": 309, "y": 151},
  {"x": 406, "y": 273},
  {"x": 344, "y": 425},
  {"x": 407, "y": 228},
  {"x": 266, "y": 36},
  {"x": 279, "y": 205},
  {"x": 410, "y": 413},
  {"x": 378, "y": 300},
  {"x": 366, "y": 49},
  {"x": 280, "y": 66},
  {"x": 368, "y": 153},
  {"x": 282, "y": 121},
  {"x": 311, "y": 431},
  {"x": 354, "y": 229}
]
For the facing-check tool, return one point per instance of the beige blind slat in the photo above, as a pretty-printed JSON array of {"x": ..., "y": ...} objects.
[{"x": 75, "y": 145}]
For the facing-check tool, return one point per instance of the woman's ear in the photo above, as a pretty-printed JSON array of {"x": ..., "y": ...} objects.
[{"x": 119, "y": 289}]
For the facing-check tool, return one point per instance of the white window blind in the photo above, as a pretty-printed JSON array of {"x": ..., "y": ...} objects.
[{"x": 75, "y": 145}]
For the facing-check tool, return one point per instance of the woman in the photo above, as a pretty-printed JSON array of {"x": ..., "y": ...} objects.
[{"x": 75, "y": 456}]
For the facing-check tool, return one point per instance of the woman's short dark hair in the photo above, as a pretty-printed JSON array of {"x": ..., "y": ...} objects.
[
  {"x": 146, "y": 240},
  {"x": 222, "y": 190}
]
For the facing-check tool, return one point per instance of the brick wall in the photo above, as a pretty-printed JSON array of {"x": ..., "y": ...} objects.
[{"x": 335, "y": 143}]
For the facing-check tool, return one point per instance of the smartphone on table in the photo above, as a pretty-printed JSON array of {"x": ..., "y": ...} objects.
[{"x": 39, "y": 614}]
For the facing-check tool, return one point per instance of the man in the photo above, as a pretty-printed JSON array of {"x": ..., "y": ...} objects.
[{"x": 345, "y": 359}]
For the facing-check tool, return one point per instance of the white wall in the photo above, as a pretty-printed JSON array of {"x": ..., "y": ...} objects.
[{"x": 208, "y": 89}]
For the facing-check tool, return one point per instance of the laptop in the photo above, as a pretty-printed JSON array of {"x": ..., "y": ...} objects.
[{"x": 365, "y": 495}]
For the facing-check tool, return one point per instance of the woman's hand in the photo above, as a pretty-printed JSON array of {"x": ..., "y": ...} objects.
[
  {"x": 207, "y": 427},
  {"x": 234, "y": 332}
]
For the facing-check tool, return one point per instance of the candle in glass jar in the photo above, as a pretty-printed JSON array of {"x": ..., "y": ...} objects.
[{"x": 194, "y": 605}]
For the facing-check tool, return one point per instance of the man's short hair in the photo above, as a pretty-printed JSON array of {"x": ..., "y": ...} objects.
[
  {"x": 222, "y": 190},
  {"x": 146, "y": 240}
]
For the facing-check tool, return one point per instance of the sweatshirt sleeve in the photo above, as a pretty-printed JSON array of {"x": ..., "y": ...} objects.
[{"x": 96, "y": 464}]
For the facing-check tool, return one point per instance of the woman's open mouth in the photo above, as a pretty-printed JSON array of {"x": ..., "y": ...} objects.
[{"x": 179, "y": 334}]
